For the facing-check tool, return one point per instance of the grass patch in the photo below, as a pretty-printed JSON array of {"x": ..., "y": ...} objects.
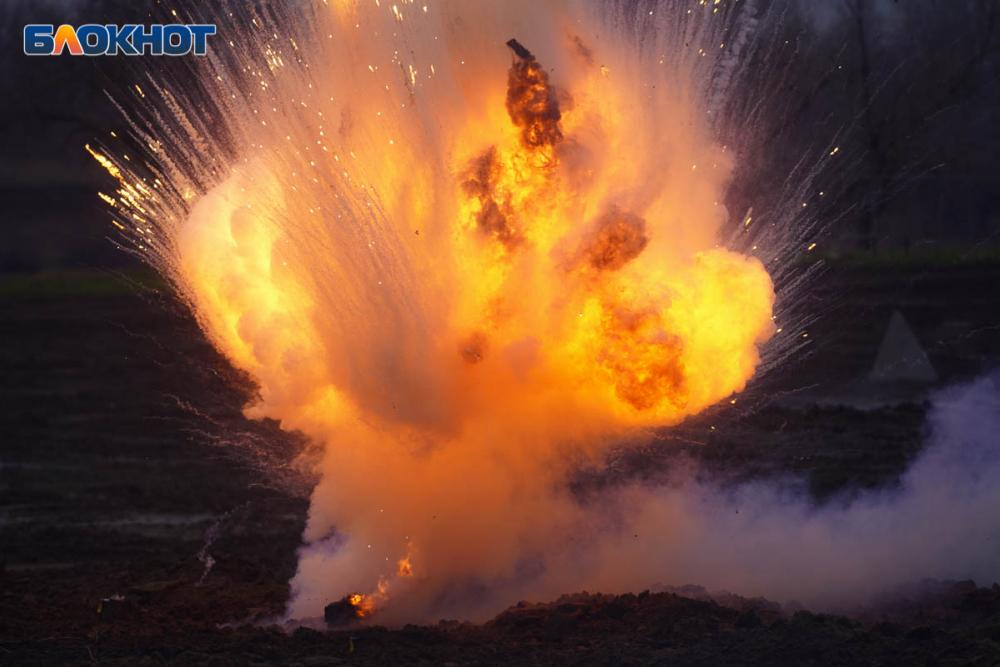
[
  {"x": 79, "y": 283},
  {"x": 927, "y": 257}
]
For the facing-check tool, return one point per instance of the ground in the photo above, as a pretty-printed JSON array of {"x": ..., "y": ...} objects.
[{"x": 127, "y": 469}]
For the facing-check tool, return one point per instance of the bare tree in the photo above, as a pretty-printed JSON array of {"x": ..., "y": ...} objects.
[{"x": 914, "y": 67}]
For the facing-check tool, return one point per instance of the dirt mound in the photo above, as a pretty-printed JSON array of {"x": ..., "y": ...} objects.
[{"x": 172, "y": 620}]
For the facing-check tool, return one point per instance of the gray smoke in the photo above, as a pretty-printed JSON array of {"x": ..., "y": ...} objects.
[{"x": 941, "y": 521}]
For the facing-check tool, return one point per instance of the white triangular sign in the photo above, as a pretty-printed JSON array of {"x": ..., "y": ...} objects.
[{"x": 900, "y": 356}]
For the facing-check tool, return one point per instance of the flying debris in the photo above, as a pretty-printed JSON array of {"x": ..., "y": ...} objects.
[
  {"x": 531, "y": 100},
  {"x": 519, "y": 49}
]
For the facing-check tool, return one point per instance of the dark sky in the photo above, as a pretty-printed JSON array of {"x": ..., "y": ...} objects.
[{"x": 926, "y": 145}]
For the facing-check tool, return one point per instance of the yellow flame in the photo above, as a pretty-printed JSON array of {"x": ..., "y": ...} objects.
[{"x": 483, "y": 287}]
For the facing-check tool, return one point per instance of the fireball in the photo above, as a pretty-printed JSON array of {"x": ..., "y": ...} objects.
[{"x": 461, "y": 262}]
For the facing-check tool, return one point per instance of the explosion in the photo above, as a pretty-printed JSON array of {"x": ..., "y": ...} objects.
[{"x": 462, "y": 266}]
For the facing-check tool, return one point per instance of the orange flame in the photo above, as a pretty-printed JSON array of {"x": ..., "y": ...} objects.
[
  {"x": 404, "y": 569},
  {"x": 458, "y": 282},
  {"x": 363, "y": 605}
]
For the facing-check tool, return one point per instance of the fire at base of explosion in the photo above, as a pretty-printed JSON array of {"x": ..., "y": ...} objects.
[{"x": 345, "y": 612}]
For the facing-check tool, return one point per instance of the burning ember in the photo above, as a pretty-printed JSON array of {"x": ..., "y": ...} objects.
[
  {"x": 461, "y": 283},
  {"x": 355, "y": 606}
]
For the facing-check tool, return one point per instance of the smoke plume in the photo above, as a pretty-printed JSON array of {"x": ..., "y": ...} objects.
[
  {"x": 771, "y": 540},
  {"x": 465, "y": 277}
]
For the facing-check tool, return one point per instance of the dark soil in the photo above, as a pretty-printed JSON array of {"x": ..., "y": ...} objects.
[
  {"x": 126, "y": 468},
  {"x": 54, "y": 621}
]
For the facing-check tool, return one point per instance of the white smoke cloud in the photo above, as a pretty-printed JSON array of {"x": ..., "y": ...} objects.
[
  {"x": 762, "y": 539},
  {"x": 765, "y": 538}
]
